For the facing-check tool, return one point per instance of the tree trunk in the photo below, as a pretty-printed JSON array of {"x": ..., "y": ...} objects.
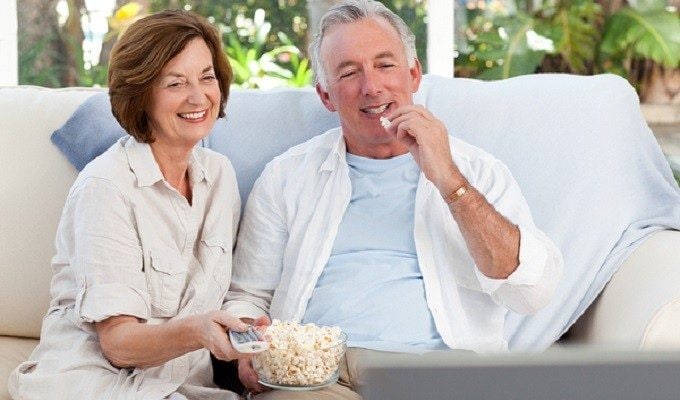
[
  {"x": 72, "y": 38},
  {"x": 41, "y": 51}
]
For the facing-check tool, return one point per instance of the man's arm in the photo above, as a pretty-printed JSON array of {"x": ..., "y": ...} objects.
[
  {"x": 516, "y": 263},
  {"x": 258, "y": 260},
  {"x": 258, "y": 256},
  {"x": 493, "y": 241}
]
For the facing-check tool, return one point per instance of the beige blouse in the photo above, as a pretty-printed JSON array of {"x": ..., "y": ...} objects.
[{"x": 129, "y": 244}]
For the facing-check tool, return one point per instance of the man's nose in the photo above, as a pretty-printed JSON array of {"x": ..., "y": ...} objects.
[{"x": 372, "y": 84}]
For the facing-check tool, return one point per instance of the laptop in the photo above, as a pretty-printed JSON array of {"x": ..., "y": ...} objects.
[{"x": 557, "y": 374}]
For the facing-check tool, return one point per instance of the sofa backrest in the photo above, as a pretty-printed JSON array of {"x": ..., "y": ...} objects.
[
  {"x": 576, "y": 145},
  {"x": 35, "y": 179}
]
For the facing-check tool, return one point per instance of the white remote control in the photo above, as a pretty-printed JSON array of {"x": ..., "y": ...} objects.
[{"x": 250, "y": 341}]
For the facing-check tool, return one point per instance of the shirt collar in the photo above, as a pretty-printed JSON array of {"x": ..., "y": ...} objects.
[
  {"x": 197, "y": 171},
  {"x": 146, "y": 169},
  {"x": 337, "y": 152}
]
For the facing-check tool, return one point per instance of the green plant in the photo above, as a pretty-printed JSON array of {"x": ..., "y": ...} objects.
[
  {"x": 290, "y": 18},
  {"x": 572, "y": 36},
  {"x": 255, "y": 67},
  {"x": 631, "y": 33}
]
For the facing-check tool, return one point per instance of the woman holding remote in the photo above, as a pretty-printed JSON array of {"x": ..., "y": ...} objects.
[{"x": 144, "y": 243}]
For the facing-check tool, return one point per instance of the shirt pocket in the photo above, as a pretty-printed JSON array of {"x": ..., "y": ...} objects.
[
  {"x": 215, "y": 256},
  {"x": 166, "y": 279}
]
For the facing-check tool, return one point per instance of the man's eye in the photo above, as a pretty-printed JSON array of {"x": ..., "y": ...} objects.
[
  {"x": 384, "y": 66},
  {"x": 347, "y": 74}
]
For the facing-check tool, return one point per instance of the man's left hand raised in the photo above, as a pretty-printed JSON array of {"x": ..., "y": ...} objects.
[{"x": 428, "y": 141}]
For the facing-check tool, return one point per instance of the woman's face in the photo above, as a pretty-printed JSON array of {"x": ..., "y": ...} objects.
[{"x": 185, "y": 99}]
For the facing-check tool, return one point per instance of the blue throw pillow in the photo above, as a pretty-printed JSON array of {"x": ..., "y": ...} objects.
[{"x": 89, "y": 132}]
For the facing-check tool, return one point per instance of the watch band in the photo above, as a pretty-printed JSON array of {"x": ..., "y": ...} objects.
[{"x": 455, "y": 195}]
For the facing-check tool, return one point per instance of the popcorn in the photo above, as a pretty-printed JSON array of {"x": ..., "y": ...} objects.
[
  {"x": 300, "y": 355},
  {"x": 385, "y": 122}
]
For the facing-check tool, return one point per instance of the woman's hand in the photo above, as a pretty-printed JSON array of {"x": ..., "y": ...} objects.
[
  {"x": 214, "y": 336},
  {"x": 128, "y": 342}
]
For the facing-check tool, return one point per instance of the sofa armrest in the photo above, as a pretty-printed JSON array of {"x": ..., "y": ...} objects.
[{"x": 640, "y": 307}]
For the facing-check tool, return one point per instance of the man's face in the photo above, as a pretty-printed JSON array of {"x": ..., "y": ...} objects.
[{"x": 367, "y": 76}]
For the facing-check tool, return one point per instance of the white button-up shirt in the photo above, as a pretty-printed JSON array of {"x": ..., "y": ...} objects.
[
  {"x": 128, "y": 243},
  {"x": 291, "y": 221}
]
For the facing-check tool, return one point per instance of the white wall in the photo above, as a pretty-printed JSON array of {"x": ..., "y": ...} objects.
[{"x": 9, "y": 62}]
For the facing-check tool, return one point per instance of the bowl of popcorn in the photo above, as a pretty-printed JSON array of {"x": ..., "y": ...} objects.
[{"x": 300, "y": 357}]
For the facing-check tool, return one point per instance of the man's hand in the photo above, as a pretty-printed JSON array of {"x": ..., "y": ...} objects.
[
  {"x": 248, "y": 376},
  {"x": 428, "y": 142},
  {"x": 246, "y": 372}
]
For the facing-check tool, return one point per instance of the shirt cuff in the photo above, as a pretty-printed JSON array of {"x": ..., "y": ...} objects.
[
  {"x": 243, "y": 309},
  {"x": 99, "y": 302},
  {"x": 532, "y": 258}
]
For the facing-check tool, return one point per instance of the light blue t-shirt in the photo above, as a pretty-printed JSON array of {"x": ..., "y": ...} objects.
[{"x": 372, "y": 287}]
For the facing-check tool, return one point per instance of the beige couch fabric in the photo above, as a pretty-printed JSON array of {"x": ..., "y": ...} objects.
[
  {"x": 35, "y": 178},
  {"x": 13, "y": 351}
]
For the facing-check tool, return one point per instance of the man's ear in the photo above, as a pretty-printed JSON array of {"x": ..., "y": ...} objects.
[
  {"x": 325, "y": 98},
  {"x": 416, "y": 75}
]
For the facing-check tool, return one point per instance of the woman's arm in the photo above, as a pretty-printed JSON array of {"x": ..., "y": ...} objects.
[{"x": 127, "y": 342}]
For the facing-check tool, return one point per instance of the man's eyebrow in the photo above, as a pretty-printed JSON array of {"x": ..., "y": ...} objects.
[
  {"x": 345, "y": 64},
  {"x": 384, "y": 54}
]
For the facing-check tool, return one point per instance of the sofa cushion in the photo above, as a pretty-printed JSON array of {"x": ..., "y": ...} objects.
[
  {"x": 13, "y": 351},
  {"x": 88, "y": 132}
]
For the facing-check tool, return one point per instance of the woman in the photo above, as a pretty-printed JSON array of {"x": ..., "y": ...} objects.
[{"x": 144, "y": 243}]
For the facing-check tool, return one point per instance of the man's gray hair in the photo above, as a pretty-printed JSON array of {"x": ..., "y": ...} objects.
[{"x": 349, "y": 11}]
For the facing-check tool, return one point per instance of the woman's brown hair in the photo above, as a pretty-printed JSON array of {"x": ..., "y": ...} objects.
[{"x": 141, "y": 53}]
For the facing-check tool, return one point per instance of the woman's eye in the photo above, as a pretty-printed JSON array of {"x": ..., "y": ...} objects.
[
  {"x": 174, "y": 84},
  {"x": 209, "y": 77}
]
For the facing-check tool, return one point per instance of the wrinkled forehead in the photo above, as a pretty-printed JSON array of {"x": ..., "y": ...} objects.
[{"x": 366, "y": 38}]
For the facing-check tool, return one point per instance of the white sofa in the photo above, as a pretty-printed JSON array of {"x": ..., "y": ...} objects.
[{"x": 639, "y": 308}]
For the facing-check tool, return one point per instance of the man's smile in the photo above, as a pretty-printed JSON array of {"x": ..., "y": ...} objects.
[{"x": 379, "y": 109}]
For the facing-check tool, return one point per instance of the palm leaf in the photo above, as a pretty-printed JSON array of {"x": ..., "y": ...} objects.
[
  {"x": 515, "y": 58},
  {"x": 575, "y": 35},
  {"x": 654, "y": 35}
]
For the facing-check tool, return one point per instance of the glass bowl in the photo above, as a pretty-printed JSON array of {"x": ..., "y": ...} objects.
[{"x": 300, "y": 367}]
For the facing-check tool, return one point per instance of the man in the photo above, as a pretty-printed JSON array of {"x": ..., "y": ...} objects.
[{"x": 406, "y": 238}]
